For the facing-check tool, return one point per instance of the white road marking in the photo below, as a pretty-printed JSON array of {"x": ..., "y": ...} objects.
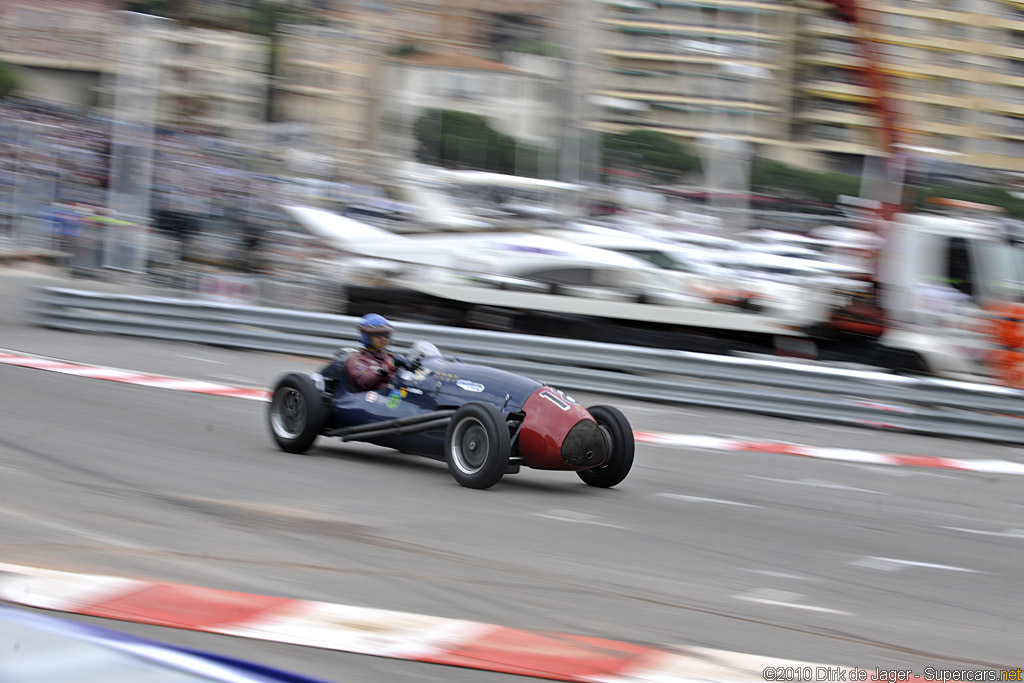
[
  {"x": 698, "y": 499},
  {"x": 659, "y": 411},
  {"x": 205, "y": 360},
  {"x": 782, "y": 575},
  {"x": 888, "y": 564},
  {"x": 575, "y": 517},
  {"x": 777, "y": 598},
  {"x": 1009, "y": 533},
  {"x": 819, "y": 484}
]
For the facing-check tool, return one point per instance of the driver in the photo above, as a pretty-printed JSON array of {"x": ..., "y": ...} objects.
[{"x": 373, "y": 366}]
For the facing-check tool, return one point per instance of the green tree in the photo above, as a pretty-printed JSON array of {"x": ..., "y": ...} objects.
[
  {"x": 773, "y": 177},
  {"x": 536, "y": 46},
  {"x": 996, "y": 196},
  {"x": 405, "y": 48},
  {"x": 161, "y": 8},
  {"x": 658, "y": 153},
  {"x": 261, "y": 17},
  {"x": 9, "y": 82},
  {"x": 458, "y": 139}
]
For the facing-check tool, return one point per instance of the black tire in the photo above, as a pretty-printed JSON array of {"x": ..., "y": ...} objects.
[
  {"x": 477, "y": 445},
  {"x": 297, "y": 413},
  {"x": 616, "y": 429}
]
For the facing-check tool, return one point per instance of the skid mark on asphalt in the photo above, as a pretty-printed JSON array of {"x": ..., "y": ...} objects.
[
  {"x": 895, "y": 472},
  {"x": 74, "y": 531}
]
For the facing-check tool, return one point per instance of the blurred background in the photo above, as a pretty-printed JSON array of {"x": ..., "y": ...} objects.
[
  {"x": 161, "y": 139},
  {"x": 828, "y": 182}
]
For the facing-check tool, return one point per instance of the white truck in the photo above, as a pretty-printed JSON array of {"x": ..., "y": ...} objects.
[{"x": 940, "y": 274}]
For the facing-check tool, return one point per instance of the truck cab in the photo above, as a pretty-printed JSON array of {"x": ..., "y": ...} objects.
[{"x": 940, "y": 276}]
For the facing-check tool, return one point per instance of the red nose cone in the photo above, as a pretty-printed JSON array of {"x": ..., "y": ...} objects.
[{"x": 552, "y": 436}]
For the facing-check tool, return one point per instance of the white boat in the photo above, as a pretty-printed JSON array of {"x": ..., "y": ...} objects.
[
  {"x": 532, "y": 283},
  {"x": 713, "y": 275}
]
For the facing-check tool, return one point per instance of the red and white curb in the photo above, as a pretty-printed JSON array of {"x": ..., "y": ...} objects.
[
  {"x": 697, "y": 441},
  {"x": 824, "y": 453},
  {"x": 128, "y": 377},
  {"x": 382, "y": 633}
]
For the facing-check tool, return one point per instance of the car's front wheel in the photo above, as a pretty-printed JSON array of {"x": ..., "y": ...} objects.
[
  {"x": 477, "y": 445},
  {"x": 619, "y": 435},
  {"x": 297, "y": 413}
]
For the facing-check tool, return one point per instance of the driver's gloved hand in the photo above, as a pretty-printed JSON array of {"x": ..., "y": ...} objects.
[{"x": 405, "y": 363}]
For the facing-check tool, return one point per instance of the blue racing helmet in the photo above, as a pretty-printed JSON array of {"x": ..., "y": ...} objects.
[{"x": 372, "y": 323}]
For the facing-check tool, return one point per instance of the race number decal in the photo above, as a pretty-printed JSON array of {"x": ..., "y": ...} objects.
[{"x": 558, "y": 400}]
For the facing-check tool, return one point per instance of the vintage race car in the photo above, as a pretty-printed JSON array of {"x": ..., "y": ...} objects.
[{"x": 483, "y": 422}]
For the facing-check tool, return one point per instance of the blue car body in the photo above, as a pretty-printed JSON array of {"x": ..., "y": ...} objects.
[{"x": 435, "y": 385}]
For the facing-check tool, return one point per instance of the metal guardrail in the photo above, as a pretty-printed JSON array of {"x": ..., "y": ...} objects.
[{"x": 793, "y": 391}]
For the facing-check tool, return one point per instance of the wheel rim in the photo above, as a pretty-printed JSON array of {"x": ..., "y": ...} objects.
[
  {"x": 470, "y": 446},
  {"x": 288, "y": 413}
]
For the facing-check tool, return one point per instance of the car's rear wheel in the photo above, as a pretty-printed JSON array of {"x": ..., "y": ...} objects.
[
  {"x": 477, "y": 445},
  {"x": 619, "y": 435},
  {"x": 297, "y": 413}
]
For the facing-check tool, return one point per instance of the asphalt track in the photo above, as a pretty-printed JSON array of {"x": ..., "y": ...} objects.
[{"x": 869, "y": 566}]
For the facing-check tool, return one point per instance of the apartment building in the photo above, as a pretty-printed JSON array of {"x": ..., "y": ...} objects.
[
  {"x": 59, "y": 47},
  {"x": 697, "y": 69},
  {"x": 69, "y": 52},
  {"x": 790, "y": 77},
  {"x": 954, "y": 70},
  {"x": 325, "y": 85},
  {"x": 784, "y": 76},
  {"x": 335, "y": 79},
  {"x": 455, "y": 25},
  {"x": 212, "y": 81}
]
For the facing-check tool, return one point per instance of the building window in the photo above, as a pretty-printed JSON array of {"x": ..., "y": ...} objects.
[
  {"x": 959, "y": 271},
  {"x": 955, "y": 86}
]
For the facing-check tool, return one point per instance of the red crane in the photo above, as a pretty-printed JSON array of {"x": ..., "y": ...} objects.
[{"x": 851, "y": 12}]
